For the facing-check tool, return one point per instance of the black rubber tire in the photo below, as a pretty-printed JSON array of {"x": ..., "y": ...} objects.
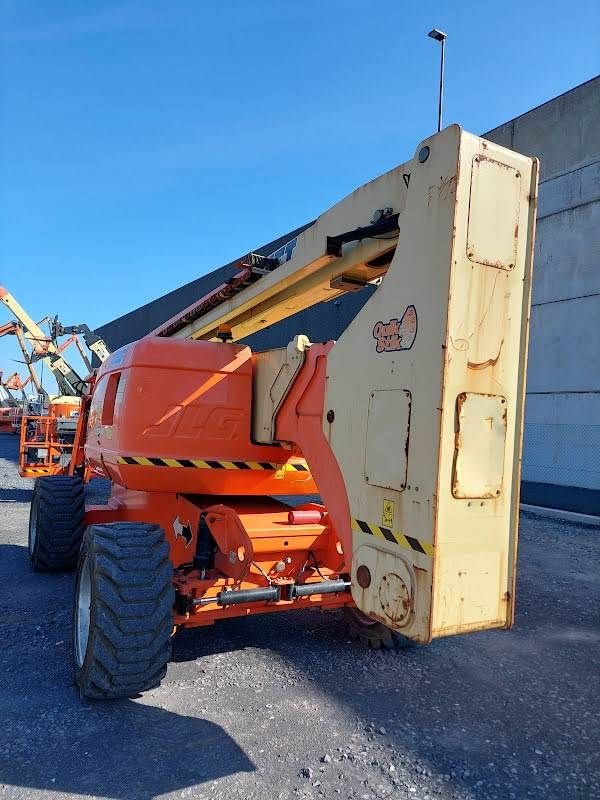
[
  {"x": 371, "y": 633},
  {"x": 131, "y": 598},
  {"x": 56, "y": 523}
]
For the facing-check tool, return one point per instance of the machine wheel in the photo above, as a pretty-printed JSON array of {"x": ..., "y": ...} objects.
[
  {"x": 56, "y": 522},
  {"x": 122, "y": 620},
  {"x": 371, "y": 633}
]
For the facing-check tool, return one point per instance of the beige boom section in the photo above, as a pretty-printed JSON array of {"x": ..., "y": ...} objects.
[
  {"x": 427, "y": 388},
  {"x": 314, "y": 273}
]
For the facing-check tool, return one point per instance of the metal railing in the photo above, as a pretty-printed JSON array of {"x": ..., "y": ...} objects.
[{"x": 43, "y": 449}]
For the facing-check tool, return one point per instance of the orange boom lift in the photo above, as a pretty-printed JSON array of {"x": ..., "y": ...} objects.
[
  {"x": 50, "y": 439},
  {"x": 378, "y": 473}
]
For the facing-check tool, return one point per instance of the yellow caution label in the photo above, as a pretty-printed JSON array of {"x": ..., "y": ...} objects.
[{"x": 387, "y": 514}]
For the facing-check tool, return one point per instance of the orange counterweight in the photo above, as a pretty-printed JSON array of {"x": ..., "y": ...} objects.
[{"x": 175, "y": 415}]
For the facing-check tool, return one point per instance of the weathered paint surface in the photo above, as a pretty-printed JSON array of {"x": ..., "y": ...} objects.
[{"x": 469, "y": 283}]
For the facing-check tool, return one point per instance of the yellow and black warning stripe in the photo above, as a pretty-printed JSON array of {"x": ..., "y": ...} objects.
[
  {"x": 297, "y": 466},
  {"x": 40, "y": 471},
  {"x": 408, "y": 542}
]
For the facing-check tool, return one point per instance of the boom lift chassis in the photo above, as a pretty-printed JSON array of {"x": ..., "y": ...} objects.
[{"x": 408, "y": 428}]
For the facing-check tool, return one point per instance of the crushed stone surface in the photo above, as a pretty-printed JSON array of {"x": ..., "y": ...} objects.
[{"x": 284, "y": 706}]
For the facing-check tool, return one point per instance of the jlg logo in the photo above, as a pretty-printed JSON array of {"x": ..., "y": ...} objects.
[{"x": 191, "y": 422}]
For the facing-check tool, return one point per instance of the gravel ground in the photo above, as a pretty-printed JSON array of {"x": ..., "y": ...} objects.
[{"x": 286, "y": 707}]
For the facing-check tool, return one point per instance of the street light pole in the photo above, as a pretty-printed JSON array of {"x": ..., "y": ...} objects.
[{"x": 441, "y": 37}]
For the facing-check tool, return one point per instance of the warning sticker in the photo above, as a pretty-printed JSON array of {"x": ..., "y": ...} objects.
[
  {"x": 387, "y": 515},
  {"x": 183, "y": 530}
]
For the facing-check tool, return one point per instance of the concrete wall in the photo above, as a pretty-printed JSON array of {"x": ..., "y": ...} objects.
[{"x": 562, "y": 431}]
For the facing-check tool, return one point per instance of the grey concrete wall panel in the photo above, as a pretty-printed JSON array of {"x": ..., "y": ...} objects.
[
  {"x": 570, "y": 190},
  {"x": 562, "y": 439},
  {"x": 567, "y": 258},
  {"x": 564, "y": 355},
  {"x": 562, "y": 420},
  {"x": 562, "y": 132}
]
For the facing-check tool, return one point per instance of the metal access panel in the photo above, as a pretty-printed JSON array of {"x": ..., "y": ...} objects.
[
  {"x": 438, "y": 546},
  {"x": 480, "y": 445},
  {"x": 494, "y": 213},
  {"x": 386, "y": 447}
]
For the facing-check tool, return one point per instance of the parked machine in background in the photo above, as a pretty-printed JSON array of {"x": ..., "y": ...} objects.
[
  {"x": 10, "y": 408},
  {"x": 95, "y": 344},
  {"x": 22, "y": 405},
  {"x": 408, "y": 428},
  {"x": 48, "y": 438}
]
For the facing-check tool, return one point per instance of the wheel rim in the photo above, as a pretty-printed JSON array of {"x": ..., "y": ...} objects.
[
  {"x": 82, "y": 611},
  {"x": 32, "y": 528}
]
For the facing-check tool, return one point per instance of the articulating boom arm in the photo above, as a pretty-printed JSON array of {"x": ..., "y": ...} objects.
[
  {"x": 15, "y": 329},
  {"x": 345, "y": 249},
  {"x": 95, "y": 343},
  {"x": 69, "y": 382}
]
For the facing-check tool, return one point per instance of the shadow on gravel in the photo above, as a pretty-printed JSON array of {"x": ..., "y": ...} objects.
[
  {"x": 492, "y": 714},
  {"x": 51, "y": 741},
  {"x": 16, "y": 495},
  {"x": 9, "y": 447},
  {"x": 122, "y": 749}
]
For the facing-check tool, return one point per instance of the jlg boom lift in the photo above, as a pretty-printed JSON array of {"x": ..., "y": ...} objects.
[
  {"x": 48, "y": 439},
  {"x": 47, "y": 348},
  {"x": 10, "y": 408},
  {"x": 19, "y": 407},
  {"x": 70, "y": 384},
  {"x": 15, "y": 329},
  {"x": 408, "y": 427},
  {"x": 10, "y": 418}
]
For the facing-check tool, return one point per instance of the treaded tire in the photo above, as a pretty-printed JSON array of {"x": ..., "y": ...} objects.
[
  {"x": 56, "y": 523},
  {"x": 371, "y": 633},
  {"x": 124, "y": 577}
]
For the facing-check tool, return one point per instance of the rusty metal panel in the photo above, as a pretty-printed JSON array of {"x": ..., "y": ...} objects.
[
  {"x": 479, "y": 446},
  {"x": 390, "y": 592},
  {"x": 386, "y": 449},
  {"x": 493, "y": 228},
  {"x": 469, "y": 587},
  {"x": 463, "y": 266}
]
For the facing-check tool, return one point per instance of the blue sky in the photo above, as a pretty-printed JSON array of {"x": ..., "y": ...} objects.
[{"x": 145, "y": 142}]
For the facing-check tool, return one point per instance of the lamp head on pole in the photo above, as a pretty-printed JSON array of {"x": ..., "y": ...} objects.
[{"x": 439, "y": 36}]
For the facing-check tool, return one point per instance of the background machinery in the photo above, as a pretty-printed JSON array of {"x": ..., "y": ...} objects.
[
  {"x": 70, "y": 383},
  {"x": 10, "y": 407},
  {"x": 48, "y": 431},
  {"x": 408, "y": 428}
]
